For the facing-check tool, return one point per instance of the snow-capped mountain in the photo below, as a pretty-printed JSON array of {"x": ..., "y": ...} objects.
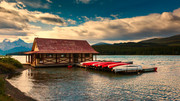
[{"x": 16, "y": 46}]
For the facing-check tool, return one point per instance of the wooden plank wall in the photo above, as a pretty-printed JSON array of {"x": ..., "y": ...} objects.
[
  {"x": 60, "y": 58},
  {"x": 63, "y": 59},
  {"x": 90, "y": 58},
  {"x": 49, "y": 60}
]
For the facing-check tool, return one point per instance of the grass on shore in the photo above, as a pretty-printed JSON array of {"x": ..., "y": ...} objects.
[
  {"x": 9, "y": 60},
  {"x": 7, "y": 66}
]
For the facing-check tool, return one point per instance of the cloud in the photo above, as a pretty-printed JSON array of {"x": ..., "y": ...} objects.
[
  {"x": 86, "y": 18},
  {"x": 10, "y": 18},
  {"x": 135, "y": 28},
  {"x": 51, "y": 19},
  {"x": 49, "y": 1},
  {"x": 11, "y": 33},
  {"x": 17, "y": 21},
  {"x": 115, "y": 15},
  {"x": 14, "y": 17},
  {"x": 83, "y": 1},
  {"x": 72, "y": 22},
  {"x": 35, "y": 3},
  {"x": 101, "y": 18},
  {"x": 31, "y": 3}
]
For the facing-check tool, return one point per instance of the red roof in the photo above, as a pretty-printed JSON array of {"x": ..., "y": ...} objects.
[{"x": 61, "y": 46}]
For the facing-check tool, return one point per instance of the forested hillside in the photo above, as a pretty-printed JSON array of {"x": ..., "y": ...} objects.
[{"x": 161, "y": 46}]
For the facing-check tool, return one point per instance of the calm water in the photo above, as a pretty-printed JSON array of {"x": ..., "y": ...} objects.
[{"x": 49, "y": 84}]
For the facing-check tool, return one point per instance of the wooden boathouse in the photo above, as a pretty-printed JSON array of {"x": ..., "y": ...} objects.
[{"x": 56, "y": 52}]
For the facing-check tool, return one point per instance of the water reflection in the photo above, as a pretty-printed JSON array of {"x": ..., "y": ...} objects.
[{"x": 45, "y": 84}]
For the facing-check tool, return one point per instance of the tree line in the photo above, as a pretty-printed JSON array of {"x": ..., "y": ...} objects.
[{"x": 137, "y": 49}]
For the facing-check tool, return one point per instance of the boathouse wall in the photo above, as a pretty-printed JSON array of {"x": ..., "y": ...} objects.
[{"x": 50, "y": 59}]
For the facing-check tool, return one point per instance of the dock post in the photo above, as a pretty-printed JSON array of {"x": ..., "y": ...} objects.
[
  {"x": 95, "y": 58},
  {"x": 26, "y": 58}
]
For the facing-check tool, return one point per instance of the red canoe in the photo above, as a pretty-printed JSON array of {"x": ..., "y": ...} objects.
[
  {"x": 103, "y": 63},
  {"x": 117, "y": 64},
  {"x": 97, "y": 64},
  {"x": 110, "y": 63},
  {"x": 89, "y": 63}
]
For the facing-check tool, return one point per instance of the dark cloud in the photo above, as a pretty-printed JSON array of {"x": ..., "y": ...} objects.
[
  {"x": 35, "y": 3},
  {"x": 52, "y": 20},
  {"x": 14, "y": 33},
  {"x": 9, "y": 25},
  {"x": 11, "y": 19},
  {"x": 32, "y": 3}
]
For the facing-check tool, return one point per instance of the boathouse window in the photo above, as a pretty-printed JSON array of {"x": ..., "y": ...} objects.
[
  {"x": 63, "y": 55},
  {"x": 49, "y": 55},
  {"x": 87, "y": 55}
]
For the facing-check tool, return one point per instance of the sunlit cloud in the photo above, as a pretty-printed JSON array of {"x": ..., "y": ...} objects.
[
  {"x": 115, "y": 15},
  {"x": 85, "y": 17},
  {"x": 70, "y": 21},
  {"x": 136, "y": 28},
  {"x": 49, "y": 1}
]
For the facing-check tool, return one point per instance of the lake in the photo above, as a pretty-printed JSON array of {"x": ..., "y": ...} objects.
[{"x": 79, "y": 84}]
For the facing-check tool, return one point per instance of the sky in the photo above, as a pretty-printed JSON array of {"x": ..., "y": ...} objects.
[{"x": 111, "y": 21}]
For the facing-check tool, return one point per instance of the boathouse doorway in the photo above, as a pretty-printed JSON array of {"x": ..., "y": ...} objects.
[{"x": 75, "y": 58}]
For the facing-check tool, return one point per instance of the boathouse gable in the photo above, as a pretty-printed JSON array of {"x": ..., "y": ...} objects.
[
  {"x": 35, "y": 48},
  {"x": 46, "y": 52}
]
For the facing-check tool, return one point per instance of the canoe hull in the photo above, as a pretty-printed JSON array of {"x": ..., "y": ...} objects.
[
  {"x": 153, "y": 69},
  {"x": 128, "y": 68}
]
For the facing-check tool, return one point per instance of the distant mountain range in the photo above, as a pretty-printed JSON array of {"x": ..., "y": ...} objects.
[
  {"x": 19, "y": 45},
  {"x": 102, "y": 43}
]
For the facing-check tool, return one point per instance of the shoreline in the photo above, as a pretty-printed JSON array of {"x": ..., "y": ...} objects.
[{"x": 14, "y": 92}]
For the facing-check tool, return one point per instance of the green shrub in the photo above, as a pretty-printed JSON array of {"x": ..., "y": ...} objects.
[
  {"x": 9, "y": 60},
  {"x": 6, "y": 68}
]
